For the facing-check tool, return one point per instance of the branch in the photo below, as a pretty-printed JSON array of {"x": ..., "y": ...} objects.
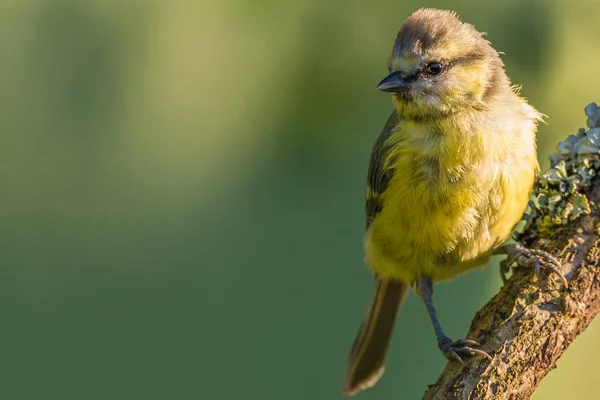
[{"x": 528, "y": 325}]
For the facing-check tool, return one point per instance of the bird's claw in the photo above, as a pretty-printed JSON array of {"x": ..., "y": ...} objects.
[
  {"x": 530, "y": 258},
  {"x": 461, "y": 347}
]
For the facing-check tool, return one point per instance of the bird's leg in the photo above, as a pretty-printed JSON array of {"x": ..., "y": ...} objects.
[
  {"x": 529, "y": 258},
  {"x": 452, "y": 350}
]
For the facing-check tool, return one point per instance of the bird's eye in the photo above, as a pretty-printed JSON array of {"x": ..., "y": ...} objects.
[{"x": 434, "y": 68}]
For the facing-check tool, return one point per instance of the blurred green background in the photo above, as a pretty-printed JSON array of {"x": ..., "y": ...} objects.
[{"x": 183, "y": 187}]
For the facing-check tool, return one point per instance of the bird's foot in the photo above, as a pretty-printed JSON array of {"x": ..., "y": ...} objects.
[
  {"x": 529, "y": 258},
  {"x": 463, "y": 347}
]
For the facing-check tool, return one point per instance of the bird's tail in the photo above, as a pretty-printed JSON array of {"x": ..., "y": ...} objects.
[{"x": 366, "y": 361}]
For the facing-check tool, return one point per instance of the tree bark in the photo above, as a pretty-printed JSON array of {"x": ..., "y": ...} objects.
[{"x": 529, "y": 324}]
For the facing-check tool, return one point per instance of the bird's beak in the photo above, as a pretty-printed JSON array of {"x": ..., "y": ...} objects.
[{"x": 393, "y": 83}]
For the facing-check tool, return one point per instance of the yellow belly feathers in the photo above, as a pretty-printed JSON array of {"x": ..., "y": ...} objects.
[{"x": 455, "y": 195}]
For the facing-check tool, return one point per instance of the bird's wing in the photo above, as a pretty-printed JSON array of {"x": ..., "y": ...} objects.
[{"x": 378, "y": 178}]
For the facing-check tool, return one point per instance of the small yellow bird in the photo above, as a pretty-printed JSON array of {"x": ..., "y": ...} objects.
[{"x": 449, "y": 178}]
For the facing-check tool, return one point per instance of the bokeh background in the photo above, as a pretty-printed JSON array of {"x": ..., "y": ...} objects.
[{"x": 182, "y": 190}]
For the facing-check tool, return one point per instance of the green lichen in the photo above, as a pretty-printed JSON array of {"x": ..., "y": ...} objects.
[{"x": 559, "y": 193}]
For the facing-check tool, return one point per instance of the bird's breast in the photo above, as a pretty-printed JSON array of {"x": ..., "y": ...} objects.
[{"x": 453, "y": 196}]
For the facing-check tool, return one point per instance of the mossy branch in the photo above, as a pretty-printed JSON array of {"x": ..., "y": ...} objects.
[{"x": 528, "y": 325}]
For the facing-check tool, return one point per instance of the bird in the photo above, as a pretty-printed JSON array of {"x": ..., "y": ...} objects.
[{"x": 450, "y": 176}]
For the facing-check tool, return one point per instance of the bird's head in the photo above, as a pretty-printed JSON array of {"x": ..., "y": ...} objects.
[{"x": 440, "y": 66}]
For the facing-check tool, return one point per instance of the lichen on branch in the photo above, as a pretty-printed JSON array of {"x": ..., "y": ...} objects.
[{"x": 560, "y": 191}]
